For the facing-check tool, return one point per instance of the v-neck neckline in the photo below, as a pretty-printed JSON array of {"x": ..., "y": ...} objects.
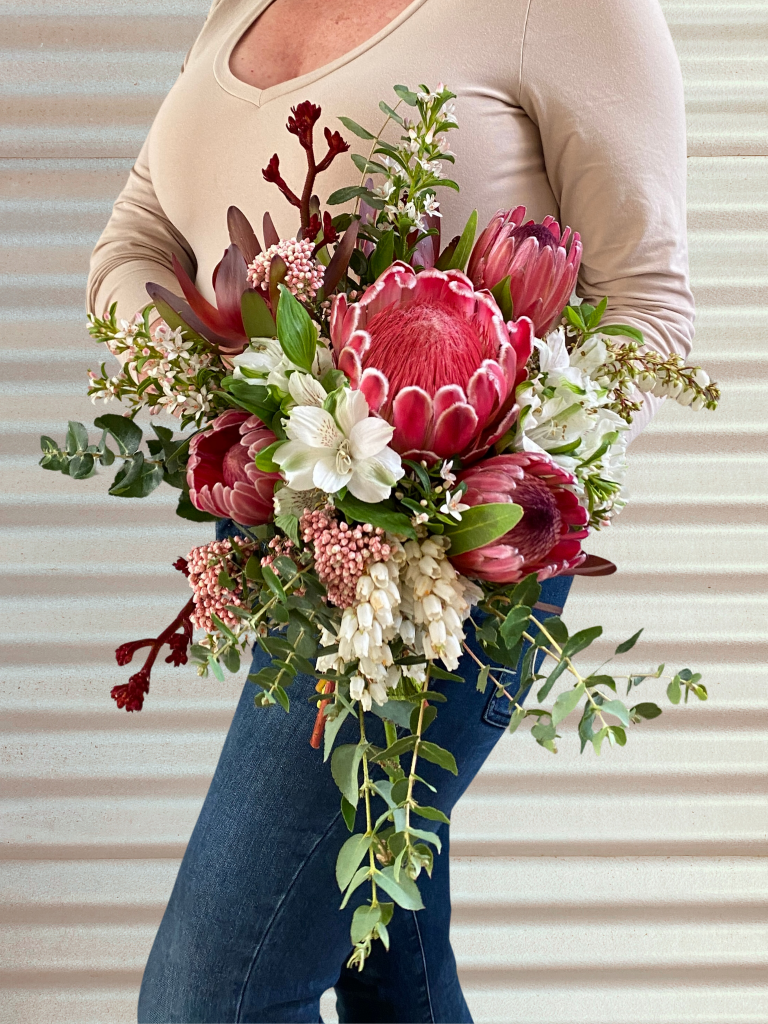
[{"x": 260, "y": 97}]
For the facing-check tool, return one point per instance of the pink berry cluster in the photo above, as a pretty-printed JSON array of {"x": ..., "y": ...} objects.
[
  {"x": 279, "y": 546},
  {"x": 210, "y": 597},
  {"x": 342, "y": 552},
  {"x": 305, "y": 274}
]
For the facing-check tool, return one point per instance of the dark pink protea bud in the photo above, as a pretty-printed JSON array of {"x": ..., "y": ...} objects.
[
  {"x": 537, "y": 258},
  {"x": 547, "y": 540},
  {"x": 221, "y": 472}
]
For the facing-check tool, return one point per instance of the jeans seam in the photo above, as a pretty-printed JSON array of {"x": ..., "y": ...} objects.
[
  {"x": 282, "y": 900},
  {"x": 424, "y": 962}
]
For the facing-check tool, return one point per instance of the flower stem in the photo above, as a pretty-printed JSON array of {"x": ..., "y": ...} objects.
[{"x": 368, "y": 816}]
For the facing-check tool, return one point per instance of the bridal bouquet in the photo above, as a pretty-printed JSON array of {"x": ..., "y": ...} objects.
[{"x": 409, "y": 437}]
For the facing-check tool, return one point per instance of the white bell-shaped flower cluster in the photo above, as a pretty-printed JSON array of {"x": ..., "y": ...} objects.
[
  {"x": 435, "y": 601},
  {"x": 366, "y": 630}
]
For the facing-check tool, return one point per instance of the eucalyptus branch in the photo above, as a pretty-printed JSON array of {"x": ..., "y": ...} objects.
[
  {"x": 409, "y": 801},
  {"x": 374, "y": 144},
  {"x": 369, "y": 830}
]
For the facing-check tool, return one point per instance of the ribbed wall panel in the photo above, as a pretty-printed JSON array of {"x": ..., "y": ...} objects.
[{"x": 646, "y": 905}]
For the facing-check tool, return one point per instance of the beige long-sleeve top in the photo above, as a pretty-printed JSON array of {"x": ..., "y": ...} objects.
[{"x": 571, "y": 107}]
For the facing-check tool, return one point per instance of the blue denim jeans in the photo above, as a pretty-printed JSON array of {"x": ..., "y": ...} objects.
[{"x": 253, "y": 931}]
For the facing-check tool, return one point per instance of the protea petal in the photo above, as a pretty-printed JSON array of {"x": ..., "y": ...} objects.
[
  {"x": 375, "y": 387},
  {"x": 349, "y": 363},
  {"x": 412, "y": 419},
  {"x": 447, "y": 396},
  {"x": 454, "y": 430}
]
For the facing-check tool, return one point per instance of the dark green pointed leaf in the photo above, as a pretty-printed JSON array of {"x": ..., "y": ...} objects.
[
  {"x": 295, "y": 330},
  {"x": 383, "y": 255},
  {"x": 482, "y": 524},
  {"x": 356, "y": 129},
  {"x": 348, "y": 813},
  {"x": 377, "y": 515},
  {"x": 464, "y": 247},
  {"x": 628, "y": 644},
  {"x": 501, "y": 292},
  {"x": 646, "y": 710},
  {"x": 438, "y": 755},
  {"x": 430, "y": 813}
]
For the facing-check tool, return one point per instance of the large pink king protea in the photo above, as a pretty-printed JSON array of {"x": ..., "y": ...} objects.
[
  {"x": 547, "y": 540},
  {"x": 536, "y": 257},
  {"x": 222, "y": 476},
  {"x": 434, "y": 358}
]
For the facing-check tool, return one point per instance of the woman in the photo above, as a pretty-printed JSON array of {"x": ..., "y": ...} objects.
[{"x": 573, "y": 109}]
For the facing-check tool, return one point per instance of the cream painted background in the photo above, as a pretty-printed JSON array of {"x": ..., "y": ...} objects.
[{"x": 629, "y": 889}]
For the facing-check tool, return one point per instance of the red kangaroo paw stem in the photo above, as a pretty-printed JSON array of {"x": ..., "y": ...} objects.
[{"x": 319, "y": 729}]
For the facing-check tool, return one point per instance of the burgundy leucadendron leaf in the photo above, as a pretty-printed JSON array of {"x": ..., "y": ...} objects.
[
  {"x": 340, "y": 259},
  {"x": 242, "y": 234},
  {"x": 231, "y": 282},
  {"x": 271, "y": 236}
]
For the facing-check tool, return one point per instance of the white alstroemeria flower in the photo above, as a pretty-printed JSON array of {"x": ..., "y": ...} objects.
[
  {"x": 346, "y": 449},
  {"x": 453, "y": 505},
  {"x": 288, "y": 502},
  {"x": 268, "y": 364},
  {"x": 306, "y": 390},
  {"x": 261, "y": 356}
]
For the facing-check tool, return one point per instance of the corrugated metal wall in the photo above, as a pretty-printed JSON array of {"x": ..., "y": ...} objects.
[{"x": 629, "y": 889}]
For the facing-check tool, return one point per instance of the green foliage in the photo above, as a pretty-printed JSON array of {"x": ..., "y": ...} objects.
[
  {"x": 295, "y": 330},
  {"x": 482, "y": 524}
]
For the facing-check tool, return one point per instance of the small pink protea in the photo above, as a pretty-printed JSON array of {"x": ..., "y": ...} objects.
[
  {"x": 541, "y": 266},
  {"x": 221, "y": 472},
  {"x": 434, "y": 358},
  {"x": 547, "y": 540}
]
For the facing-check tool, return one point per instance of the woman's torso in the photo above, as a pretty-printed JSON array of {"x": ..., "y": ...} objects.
[{"x": 215, "y": 133}]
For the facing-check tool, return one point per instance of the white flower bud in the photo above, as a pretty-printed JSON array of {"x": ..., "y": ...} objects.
[
  {"x": 365, "y": 615},
  {"x": 686, "y": 397},
  {"x": 407, "y": 632},
  {"x": 437, "y": 633},
  {"x": 674, "y": 389},
  {"x": 697, "y": 403},
  {"x": 379, "y": 573},
  {"x": 362, "y": 644},
  {"x": 433, "y": 607},
  {"x": 365, "y": 587},
  {"x": 429, "y": 567},
  {"x": 659, "y": 389},
  {"x": 701, "y": 377}
]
